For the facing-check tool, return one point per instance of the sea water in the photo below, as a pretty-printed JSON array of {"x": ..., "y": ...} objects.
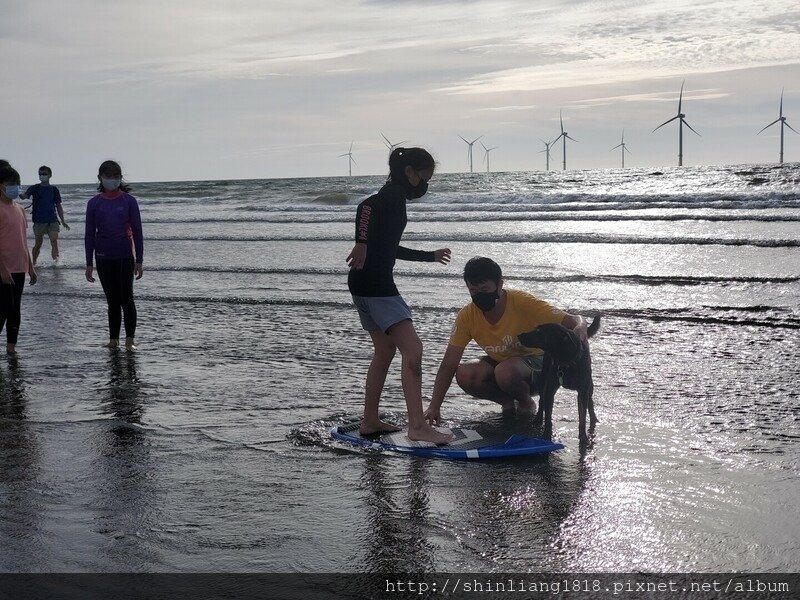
[{"x": 208, "y": 448}]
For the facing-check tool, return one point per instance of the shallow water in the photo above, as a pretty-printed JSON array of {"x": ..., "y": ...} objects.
[{"x": 208, "y": 449}]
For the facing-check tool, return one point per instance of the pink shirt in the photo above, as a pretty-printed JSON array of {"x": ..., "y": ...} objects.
[{"x": 13, "y": 238}]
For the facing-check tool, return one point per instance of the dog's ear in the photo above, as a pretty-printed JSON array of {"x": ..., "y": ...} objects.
[{"x": 528, "y": 339}]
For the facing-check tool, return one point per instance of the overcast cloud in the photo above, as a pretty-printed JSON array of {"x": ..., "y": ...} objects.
[{"x": 193, "y": 89}]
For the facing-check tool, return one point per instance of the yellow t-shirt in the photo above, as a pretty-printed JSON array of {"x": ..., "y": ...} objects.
[{"x": 524, "y": 312}]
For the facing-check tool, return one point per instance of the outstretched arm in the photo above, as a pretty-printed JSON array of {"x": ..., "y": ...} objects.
[{"x": 444, "y": 378}]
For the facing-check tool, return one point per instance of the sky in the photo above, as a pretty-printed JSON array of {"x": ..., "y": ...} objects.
[{"x": 229, "y": 89}]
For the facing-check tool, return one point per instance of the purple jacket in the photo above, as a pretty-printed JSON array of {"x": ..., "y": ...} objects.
[{"x": 113, "y": 228}]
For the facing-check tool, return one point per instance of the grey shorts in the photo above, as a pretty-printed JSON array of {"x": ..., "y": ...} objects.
[
  {"x": 46, "y": 228},
  {"x": 380, "y": 313}
]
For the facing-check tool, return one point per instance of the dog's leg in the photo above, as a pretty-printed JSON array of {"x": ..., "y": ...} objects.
[{"x": 583, "y": 404}]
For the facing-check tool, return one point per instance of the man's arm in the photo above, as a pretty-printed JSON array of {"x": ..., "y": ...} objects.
[
  {"x": 578, "y": 325},
  {"x": 444, "y": 378}
]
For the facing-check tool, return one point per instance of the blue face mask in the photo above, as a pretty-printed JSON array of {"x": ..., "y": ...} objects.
[
  {"x": 13, "y": 191},
  {"x": 110, "y": 185}
]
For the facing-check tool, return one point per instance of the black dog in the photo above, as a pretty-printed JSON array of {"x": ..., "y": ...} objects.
[{"x": 567, "y": 363}]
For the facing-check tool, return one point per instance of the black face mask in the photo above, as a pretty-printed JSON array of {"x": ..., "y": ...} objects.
[
  {"x": 416, "y": 191},
  {"x": 485, "y": 300}
]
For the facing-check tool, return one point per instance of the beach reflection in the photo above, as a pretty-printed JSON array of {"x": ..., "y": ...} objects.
[
  {"x": 125, "y": 472},
  {"x": 19, "y": 465},
  {"x": 399, "y": 522}
]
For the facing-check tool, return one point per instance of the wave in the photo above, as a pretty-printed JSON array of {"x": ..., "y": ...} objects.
[
  {"x": 539, "y": 238},
  {"x": 653, "y": 280},
  {"x": 480, "y": 217},
  {"x": 745, "y": 315}
]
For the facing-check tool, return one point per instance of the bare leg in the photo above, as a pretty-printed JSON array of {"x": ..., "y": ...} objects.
[
  {"x": 477, "y": 378},
  {"x": 513, "y": 376},
  {"x": 37, "y": 246},
  {"x": 54, "y": 245},
  {"x": 405, "y": 337},
  {"x": 376, "y": 377}
]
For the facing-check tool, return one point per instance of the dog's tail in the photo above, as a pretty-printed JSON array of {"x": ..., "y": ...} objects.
[{"x": 594, "y": 327}]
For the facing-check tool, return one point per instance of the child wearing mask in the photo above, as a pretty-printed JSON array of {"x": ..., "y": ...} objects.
[
  {"x": 114, "y": 238},
  {"x": 15, "y": 260}
]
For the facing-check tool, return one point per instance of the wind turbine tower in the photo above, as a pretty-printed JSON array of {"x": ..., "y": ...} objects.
[
  {"x": 547, "y": 151},
  {"x": 350, "y": 160},
  {"x": 782, "y": 120},
  {"x": 486, "y": 156},
  {"x": 469, "y": 152},
  {"x": 563, "y": 136},
  {"x": 624, "y": 148},
  {"x": 681, "y": 122},
  {"x": 389, "y": 144}
]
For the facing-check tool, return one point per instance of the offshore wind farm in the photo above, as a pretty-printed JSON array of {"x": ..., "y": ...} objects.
[{"x": 563, "y": 136}]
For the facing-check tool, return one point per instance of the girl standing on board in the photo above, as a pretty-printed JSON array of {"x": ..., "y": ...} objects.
[
  {"x": 380, "y": 221},
  {"x": 15, "y": 259},
  {"x": 114, "y": 237}
]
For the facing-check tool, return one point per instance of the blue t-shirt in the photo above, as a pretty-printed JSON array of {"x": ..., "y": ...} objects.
[{"x": 45, "y": 198}]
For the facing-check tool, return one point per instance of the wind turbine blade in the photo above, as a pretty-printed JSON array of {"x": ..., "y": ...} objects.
[
  {"x": 615, "y": 147},
  {"x": 770, "y": 125},
  {"x": 561, "y": 120},
  {"x": 463, "y": 139},
  {"x": 689, "y": 126},
  {"x": 475, "y": 140},
  {"x": 680, "y": 98},
  {"x": 626, "y": 150},
  {"x": 484, "y": 147},
  {"x": 557, "y": 138},
  {"x": 780, "y": 114},
  {"x": 388, "y": 143},
  {"x": 351, "y": 147},
  {"x": 354, "y": 160},
  {"x": 665, "y": 122},
  {"x": 570, "y": 138},
  {"x": 341, "y": 155},
  {"x": 790, "y": 127}
]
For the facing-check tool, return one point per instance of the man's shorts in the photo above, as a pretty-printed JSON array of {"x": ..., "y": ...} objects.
[
  {"x": 534, "y": 362},
  {"x": 380, "y": 313},
  {"x": 46, "y": 228}
]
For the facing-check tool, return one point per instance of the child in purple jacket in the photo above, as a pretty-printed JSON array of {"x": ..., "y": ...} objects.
[{"x": 114, "y": 239}]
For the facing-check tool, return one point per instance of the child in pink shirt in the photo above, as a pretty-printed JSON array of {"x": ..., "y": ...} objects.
[{"x": 15, "y": 259}]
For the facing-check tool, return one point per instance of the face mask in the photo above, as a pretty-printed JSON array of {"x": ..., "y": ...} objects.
[
  {"x": 110, "y": 185},
  {"x": 44, "y": 178},
  {"x": 13, "y": 191},
  {"x": 416, "y": 191},
  {"x": 485, "y": 300}
]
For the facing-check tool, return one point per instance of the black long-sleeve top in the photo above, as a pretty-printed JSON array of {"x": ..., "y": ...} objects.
[{"x": 380, "y": 222}]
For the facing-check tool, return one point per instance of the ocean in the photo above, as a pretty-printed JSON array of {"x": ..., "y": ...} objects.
[{"x": 208, "y": 448}]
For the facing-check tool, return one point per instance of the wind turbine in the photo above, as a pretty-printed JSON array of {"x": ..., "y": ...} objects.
[
  {"x": 469, "y": 152},
  {"x": 681, "y": 122},
  {"x": 486, "y": 156},
  {"x": 624, "y": 148},
  {"x": 563, "y": 136},
  {"x": 350, "y": 159},
  {"x": 547, "y": 151},
  {"x": 389, "y": 144},
  {"x": 782, "y": 120}
]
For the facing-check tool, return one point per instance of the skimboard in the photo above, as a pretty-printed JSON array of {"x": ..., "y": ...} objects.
[{"x": 466, "y": 444}]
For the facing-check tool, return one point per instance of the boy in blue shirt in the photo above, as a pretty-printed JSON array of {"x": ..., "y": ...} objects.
[{"x": 46, "y": 203}]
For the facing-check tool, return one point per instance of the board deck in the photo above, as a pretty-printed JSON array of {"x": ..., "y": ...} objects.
[{"x": 466, "y": 444}]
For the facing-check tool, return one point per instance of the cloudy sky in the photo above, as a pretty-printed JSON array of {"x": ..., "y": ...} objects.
[{"x": 223, "y": 89}]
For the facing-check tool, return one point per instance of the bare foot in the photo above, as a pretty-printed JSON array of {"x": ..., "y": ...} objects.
[
  {"x": 426, "y": 433},
  {"x": 112, "y": 344},
  {"x": 371, "y": 427},
  {"x": 130, "y": 344}
]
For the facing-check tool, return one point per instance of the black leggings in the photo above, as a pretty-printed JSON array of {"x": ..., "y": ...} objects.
[
  {"x": 10, "y": 300},
  {"x": 116, "y": 276}
]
